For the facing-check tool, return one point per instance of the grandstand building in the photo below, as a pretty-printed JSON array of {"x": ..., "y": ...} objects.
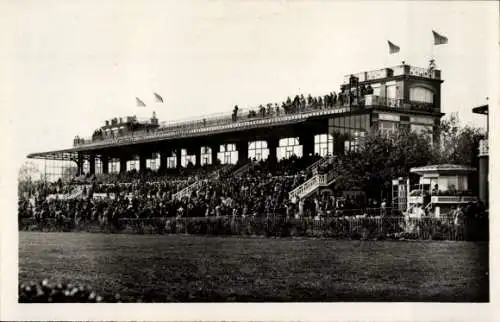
[{"x": 385, "y": 99}]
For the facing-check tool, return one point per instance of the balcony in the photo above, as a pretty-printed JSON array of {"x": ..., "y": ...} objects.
[
  {"x": 213, "y": 124},
  {"x": 373, "y": 100},
  {"x": 224, "y": 122},
  {"x": 400, "y": 70},
  {"x": 452, "y": 199},
  {"x": 483, "y": 148},
  {"x": 416, "y": 200}
]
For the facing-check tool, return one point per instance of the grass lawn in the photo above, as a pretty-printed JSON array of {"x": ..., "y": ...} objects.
[{"x": 179, "y": 268}]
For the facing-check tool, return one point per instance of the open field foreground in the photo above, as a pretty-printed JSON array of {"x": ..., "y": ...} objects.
[{"x": 180, "y": 268}]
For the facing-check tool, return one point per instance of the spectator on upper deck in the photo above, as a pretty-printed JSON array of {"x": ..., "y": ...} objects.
[
  {"x": 262, "y": 110},
  {"x": 302, "y": 102},
  {"x": 269, "y": 108},
  {"x": 235, "y": 113}
]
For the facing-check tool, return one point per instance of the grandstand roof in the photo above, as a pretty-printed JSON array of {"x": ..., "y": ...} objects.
[
  {"x": 66, "y": 154},
  {"x": 483, "y": 109},
  {"x": 195, "y": 130},
  {"x": 442, "y": 169}
]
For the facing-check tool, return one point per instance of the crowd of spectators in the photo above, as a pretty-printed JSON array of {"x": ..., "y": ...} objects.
[
  {"x": 300, "y": 103},
  {"x": 262, "y": 190}
]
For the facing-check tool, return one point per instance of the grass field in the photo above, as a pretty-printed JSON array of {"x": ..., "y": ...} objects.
[{"x": 178, "y": 268}]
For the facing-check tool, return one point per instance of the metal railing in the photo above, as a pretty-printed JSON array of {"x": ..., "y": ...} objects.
[
  {"x": 425, "y": 72},
  {"x": 453, "y": 199},
  {"x": 396, "y": 71},
  {"x": 421, "y": 106},
  {"x": 212, "y": 126},
  {"x": 371, "y": 100},
  {"x": 225, "y": 122}
]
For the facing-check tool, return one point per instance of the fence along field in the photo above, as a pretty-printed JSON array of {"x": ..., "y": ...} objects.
[
  {"x": 188, "y": 266},
  {"x": 346, "y": 227}
]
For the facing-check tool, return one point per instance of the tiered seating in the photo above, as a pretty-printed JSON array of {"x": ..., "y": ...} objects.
[{"x": 262, "y": 189}]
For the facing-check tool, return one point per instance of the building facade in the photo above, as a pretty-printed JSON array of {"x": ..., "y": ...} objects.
[{"x": 385, "y": 100}]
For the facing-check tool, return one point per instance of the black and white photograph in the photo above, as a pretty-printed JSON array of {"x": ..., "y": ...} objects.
[{"x": 248, "y": 152}]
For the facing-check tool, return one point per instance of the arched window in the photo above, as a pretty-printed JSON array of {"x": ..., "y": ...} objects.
[{"x": 421, "y": 94}]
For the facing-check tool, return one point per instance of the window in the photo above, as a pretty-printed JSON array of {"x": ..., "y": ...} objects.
[
  {"x": 172, "y": 161},
  {"x": 132, "y": 165},
  {"x": 98, "y": 166},
  {"x": 422, "y": 120},
  {"x": 323, "y": 144},
  {"x": 355, "y": 140},
  {"x": 114, "y": 166},
  {"x": 153, "y": 163},
  {"x": 391, "y": 91},
  {"x": 228, "y": 154},
  {"x": 421, "y": 94},
  {"x": 186, "y": 158},
  {"x": 387, "y": 127},
  {"x": 206, "y": 155},
  {"x": 86, "y": 167},
  {"x": 289, "y": 147},
  {"x": 423, "y": 129},
  {"x": 258, "y": 150}
]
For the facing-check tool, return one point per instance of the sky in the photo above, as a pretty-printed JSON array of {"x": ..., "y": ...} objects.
[{"x": 67, "y": 66}]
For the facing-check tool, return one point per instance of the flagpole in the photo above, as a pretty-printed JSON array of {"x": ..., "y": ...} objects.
[{"x": 432, "y": 50}]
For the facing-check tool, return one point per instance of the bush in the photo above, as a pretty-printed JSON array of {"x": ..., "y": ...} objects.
[{"x": 44, "y": 292}]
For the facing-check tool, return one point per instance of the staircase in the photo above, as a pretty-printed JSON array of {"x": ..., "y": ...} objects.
[
  {"x": 243, "y": 169},
  {"x": 313, "y": 184},
  {"x": 186, "y": 192},
  {"x": 77, "y": 192},
  {"x": 316, "y": 165}
]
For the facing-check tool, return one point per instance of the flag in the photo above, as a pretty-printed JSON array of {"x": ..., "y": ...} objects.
[
  {"x": 158, "y": 98},
  {"x": 139, "y": 102},
  {"x": 439, "y": 39},
  {"x": 393, "y": 48}
]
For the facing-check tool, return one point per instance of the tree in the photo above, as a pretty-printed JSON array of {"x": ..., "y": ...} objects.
[
  {"x": 380, "y": 159},
  {"x": 28, "y": 172},
  {"x": 458, "y": 144},
  {"x": 27, "y": 175},
  {"x": 386, "y": 157}
]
